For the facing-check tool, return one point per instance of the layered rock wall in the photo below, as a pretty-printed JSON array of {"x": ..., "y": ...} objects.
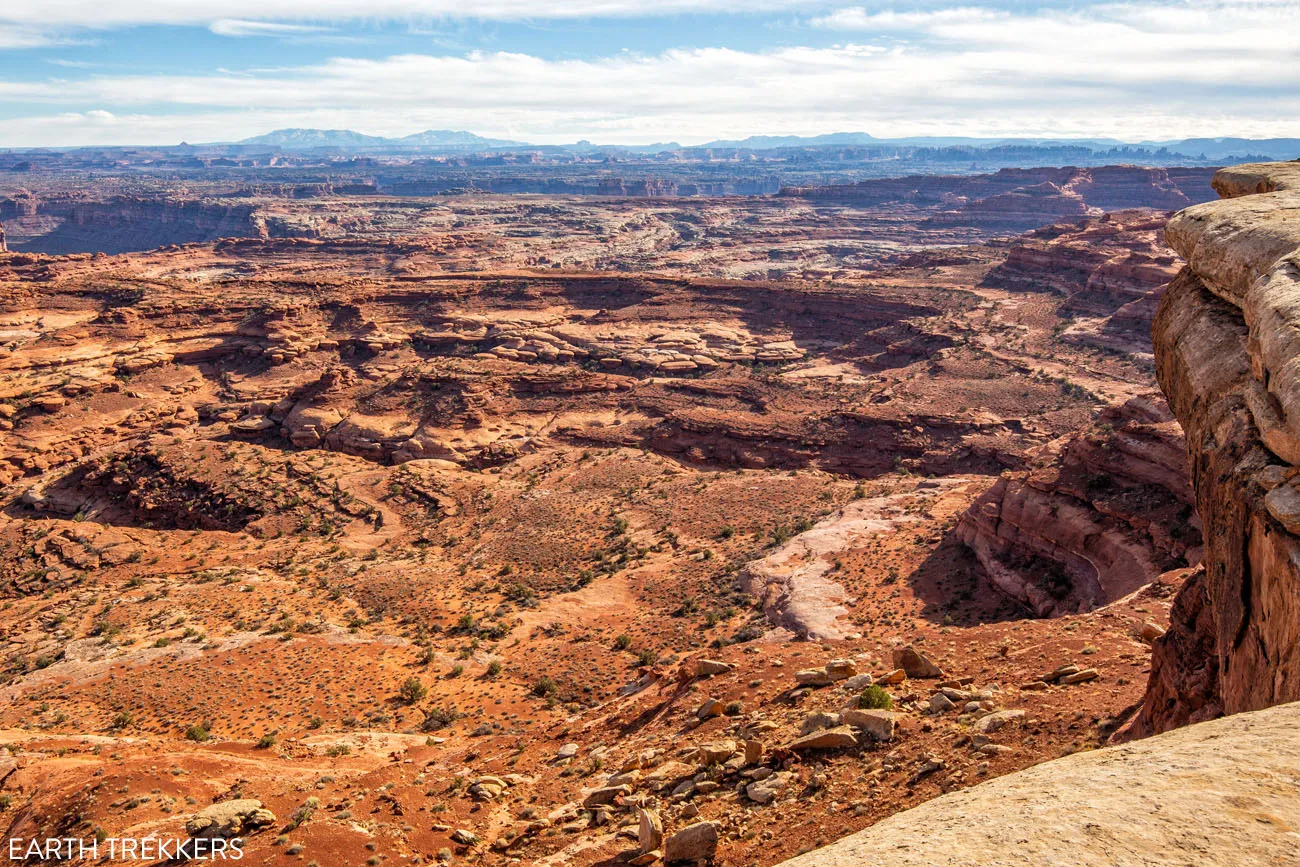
[
  {"x": 1227, "y": 344},
  {"x": 123, "y": 223},
  {"x": 1015, "y": 200},
  {"x": 1101, "y": 514}
]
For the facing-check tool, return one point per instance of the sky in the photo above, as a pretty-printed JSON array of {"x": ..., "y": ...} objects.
[{"x": 101, "y": 72}]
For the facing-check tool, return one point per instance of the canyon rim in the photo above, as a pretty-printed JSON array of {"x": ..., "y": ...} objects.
[{"x": 660, "y": 473}]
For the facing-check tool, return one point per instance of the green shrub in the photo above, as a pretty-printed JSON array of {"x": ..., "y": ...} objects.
[
  {"x": 647, "y": 657},
  {"x": 412, "y": 690},
  {"x": 438, "y": 718},
  {"x": 874, "y": 697}
]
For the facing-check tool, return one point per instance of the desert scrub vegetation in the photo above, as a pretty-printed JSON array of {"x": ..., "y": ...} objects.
[
  {"x": 412, "y": 691},
  {"x": 438, "y": 718},
  {"x": 874, "y": 697}
]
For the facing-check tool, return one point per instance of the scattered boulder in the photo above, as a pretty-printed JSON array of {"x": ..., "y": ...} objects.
[
  {"x": 857, "y": 682},
  {"x": 753, "y": 752},
  {"x": 812, "y": 677},
  {"x": 715, "y": 752},
  {"x": 838, "y": 738},
  {"x": 624, "y": 778},
  {"x": 696, "y": 842},
  {"x": 487, "y": 788},
  {"x": 915, "y": 664},
  {"x": 709, "y": 709},
  {"x": 879, "y": 724},
  {"x": 832, "y": 672},
  {"x": 710, "y": 667},
  {"x": 1059, "y": 674},
  {"x": 464, "y": 837},
  {"x": 668, "y": 772},
  {"x": 819, "y": 720},
  {"x": 1150, "y": 632},
  {"x": 567, "y": 751},
  {"x": 841, "y": 669},
  {"x": 940, "y": 703},
  {"x": 650, "y": 830},
  {"x": 50, "y": 403},
  {"x": 992, "y": 722},
  {"x": 928, "y": 766},
  {"x": 1081, "y": 676},
  {"x": 764, "y": 791},
  {"x": 229, "y": 819},
  {"x": 604, "y": 796}
]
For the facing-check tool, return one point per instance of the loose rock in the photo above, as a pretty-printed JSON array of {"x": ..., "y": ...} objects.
[
  {"x": 879, "y": 724},
  {"x": 696, "y": 842},
  {"x": 996, "y": 720},
  {"x": 840, "y": 737},
  {"x": 650, "y": 830},
  {"x": 915, "y": 663},
  {"x": 229, "y": 819}
]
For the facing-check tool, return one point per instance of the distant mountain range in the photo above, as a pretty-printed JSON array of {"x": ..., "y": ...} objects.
[
  {"x": 770, "y": 142},
  {"x": 460, "y": 141},
  {"x": 346, "y": 139}
]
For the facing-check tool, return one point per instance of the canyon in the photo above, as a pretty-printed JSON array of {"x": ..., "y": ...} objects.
[
  {"x": 1224, "y": 348},
  {"x": 618, "y": 528}
]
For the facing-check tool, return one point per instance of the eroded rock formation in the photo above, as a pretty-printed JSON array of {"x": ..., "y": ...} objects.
[
  {"x": 1227, "y": 341},
  {"x": 67, "y": 224},
  {"x": 1103, "y": 513},
  {"x": 508, "y": 500},
  {"x": 1014, "y": 200},
  {"x": 1112, "y": 269}
]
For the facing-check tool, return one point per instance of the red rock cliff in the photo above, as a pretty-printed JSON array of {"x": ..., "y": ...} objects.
[{"x": 1227, "y": 345}]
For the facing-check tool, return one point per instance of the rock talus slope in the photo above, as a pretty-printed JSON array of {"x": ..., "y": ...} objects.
[{"x": 1222, "y": 792}]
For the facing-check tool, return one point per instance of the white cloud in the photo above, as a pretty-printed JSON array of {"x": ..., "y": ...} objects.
[
  {"x": 23, "y": 36},
  {"x": 98, "y": 13},
  {"x": 858, "y": 18},
  {"x": 243, "y": 27},
  {"x": 1124, "y": 70}
]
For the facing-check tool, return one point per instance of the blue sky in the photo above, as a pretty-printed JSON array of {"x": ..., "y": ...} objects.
[{"x": 77, "y": 72}]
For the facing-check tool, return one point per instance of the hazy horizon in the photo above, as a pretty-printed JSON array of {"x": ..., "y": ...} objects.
[{"x": 938, "y": 139}]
